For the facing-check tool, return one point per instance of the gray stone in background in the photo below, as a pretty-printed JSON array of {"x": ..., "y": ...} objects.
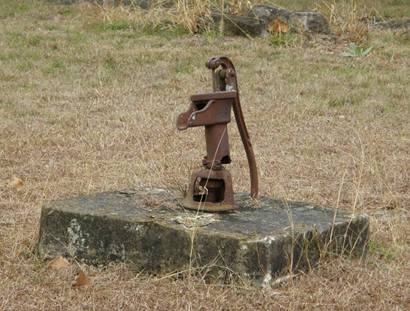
[
  {"x": 392, "y": 24},
  {"x": 313, "y": 22},
  {"x": 148, "y": 228},
  {"x": 268, "y": 12},
  {"x": 258, "y": 20}
]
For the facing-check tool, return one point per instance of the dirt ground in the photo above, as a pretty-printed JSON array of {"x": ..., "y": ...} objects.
[{"x": 89, "y": 105}]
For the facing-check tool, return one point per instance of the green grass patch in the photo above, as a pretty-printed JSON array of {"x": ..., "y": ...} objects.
[
  {"x": 76, "y": 37},
  {"x": 65, "y": 10},
  {"x": 183, "y": 65},
  {"x": 395, "y": 8},
  {"x": 7, "y": 77},
  {"x": 114, "y": 25},
  {"x": 211, "y": 35},
  {"x": 149, "y": 57},
  {"x": 34, "y": 40},
  {"x": 404, "y": 38},
  {"x": 25, "y": 65},
  {"x": 166, "y": 30},
  {"x": 15, "y": 39},
  {"x": 110, "y": 63},
  {"x": 354, "y": 50},
  {"x": 57, "y": 65},
  {"x": 349, "y": 70},
  {"x": 18, "y": 39},
  {"x": 8, "y": 56},
  {"x": 14, "y": 8},
  {"x": 387, "y": 253},
  {"x": 283, "y": 39},
  {"x": 339, "y": 102}
]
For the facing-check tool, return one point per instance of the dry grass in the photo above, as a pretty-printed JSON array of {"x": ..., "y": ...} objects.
[
  {"x": 347, "y": 19},
  {"x": 192, "y": 16},
  {"x": 88, "y": 107}
]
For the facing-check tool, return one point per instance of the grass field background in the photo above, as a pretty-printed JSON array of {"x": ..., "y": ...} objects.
[{"x": 88, "y": 103}]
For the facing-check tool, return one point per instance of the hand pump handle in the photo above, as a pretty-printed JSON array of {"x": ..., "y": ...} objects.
[{"x": 224, "y": 79}]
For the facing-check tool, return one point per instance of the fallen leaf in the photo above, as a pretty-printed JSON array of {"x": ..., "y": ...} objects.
[
  {"x": 81, "y": 280},
  {"x": 16, "y": 183},
  {"x": 58, "y": 263},
  {"x": 278, "y": 26}
]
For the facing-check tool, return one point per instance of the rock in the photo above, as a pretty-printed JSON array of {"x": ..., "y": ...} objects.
[
  {"x": 148, "y": 228},
  {"x": 392, "y": 24},
  {"x": 268, "y": 13},
  {"x": 239, "y": 25},
  {"x": 313, "y": 22}
]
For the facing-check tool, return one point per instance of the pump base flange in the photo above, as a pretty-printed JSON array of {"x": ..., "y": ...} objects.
[{"x": 210, "y": 191}]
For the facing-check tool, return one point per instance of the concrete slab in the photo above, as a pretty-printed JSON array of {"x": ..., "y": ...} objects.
[{"x": 149, "y": 229}]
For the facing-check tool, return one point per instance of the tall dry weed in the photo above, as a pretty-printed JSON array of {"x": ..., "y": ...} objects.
[
  {"x": 191, "y": 15},
  {"x": 346, "y": 18}
]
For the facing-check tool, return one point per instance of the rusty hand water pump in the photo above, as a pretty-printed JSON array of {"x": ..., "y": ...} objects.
[{"x": 210, "y": 188}]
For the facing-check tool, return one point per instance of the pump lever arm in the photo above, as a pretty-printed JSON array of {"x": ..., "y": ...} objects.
[{"x": 224, "y": 79}]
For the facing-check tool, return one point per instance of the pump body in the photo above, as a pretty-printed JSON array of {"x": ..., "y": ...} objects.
[{"x": 211, "y": 188}]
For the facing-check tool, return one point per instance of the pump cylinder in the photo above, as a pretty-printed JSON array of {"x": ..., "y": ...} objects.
[{"x": 217, "y": 145}]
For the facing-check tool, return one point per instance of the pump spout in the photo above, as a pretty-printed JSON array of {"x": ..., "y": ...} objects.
[
  {"x": 183, "y": 119},
  {"x": 207, "y": 109},
  {"x": 212, "y": 110}
]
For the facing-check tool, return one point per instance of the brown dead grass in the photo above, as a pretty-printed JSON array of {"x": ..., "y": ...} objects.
[{"x": 86, "y": 109}]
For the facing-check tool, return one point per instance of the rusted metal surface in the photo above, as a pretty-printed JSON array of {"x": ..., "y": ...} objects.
[
  {"x": 211, "y": 188},
  {"x": 224, "y": 79}
]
